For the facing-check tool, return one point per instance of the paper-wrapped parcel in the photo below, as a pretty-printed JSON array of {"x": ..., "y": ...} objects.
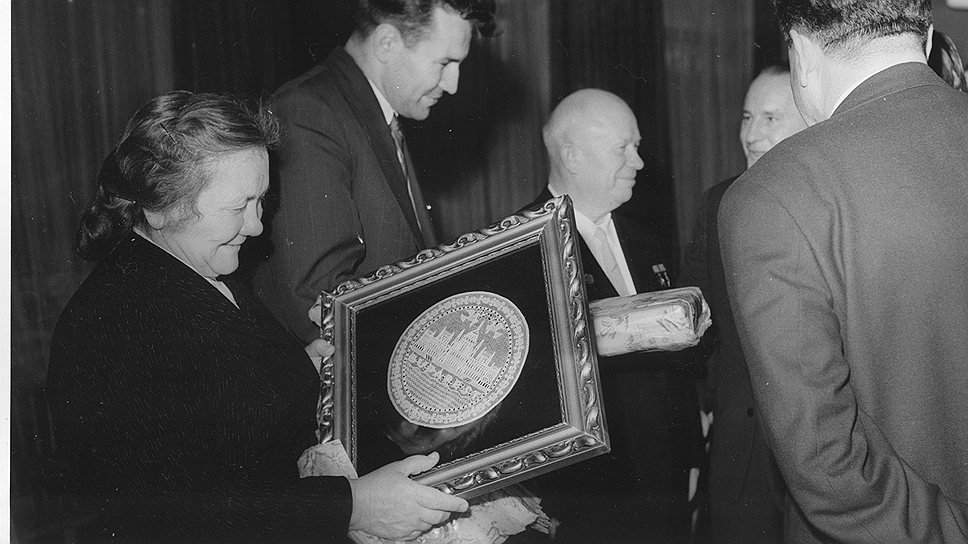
[{"x": 668, "y": 320}]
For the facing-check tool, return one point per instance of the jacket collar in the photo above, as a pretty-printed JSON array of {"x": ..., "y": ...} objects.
[
  {"x": 367, "y": 110},
  {"x": 144, "y": 264},
  {"x": 897, "y": 78}
]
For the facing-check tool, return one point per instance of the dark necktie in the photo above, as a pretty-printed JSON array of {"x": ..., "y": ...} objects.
[{"x": 407, "y": 172}]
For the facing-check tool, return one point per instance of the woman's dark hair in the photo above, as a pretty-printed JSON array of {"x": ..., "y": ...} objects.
[{"x": 160, "y": 163}]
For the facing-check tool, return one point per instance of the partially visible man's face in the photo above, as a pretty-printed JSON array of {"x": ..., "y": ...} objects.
[
  {"x": 770, "y": 115},
  {"x": 418, "y": 76}
]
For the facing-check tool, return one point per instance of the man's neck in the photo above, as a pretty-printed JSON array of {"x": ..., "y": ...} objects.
[
  {"x": 845, "y": 76},
  {"x": 595, "y": 216},
  {"x": 358, "y": 49}
]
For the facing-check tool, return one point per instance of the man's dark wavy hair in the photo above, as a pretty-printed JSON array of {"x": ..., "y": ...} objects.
[
  {"x": 412, "y": 17},
  {"x": 841, "y": 24}
]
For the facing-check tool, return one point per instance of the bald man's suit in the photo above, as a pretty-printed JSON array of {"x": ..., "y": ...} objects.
[{"x": 638, "y": 491}]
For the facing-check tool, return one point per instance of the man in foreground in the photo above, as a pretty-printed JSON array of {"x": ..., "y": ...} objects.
[{"x": 846, "y": 253}]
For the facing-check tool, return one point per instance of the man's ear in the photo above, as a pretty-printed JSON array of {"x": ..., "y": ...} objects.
[
  {"x": 569, "y": 155},
  {"x": 808, "y": 53},
  {"x": 382, "y": 41},
  {"x": 930, "y": 41}
]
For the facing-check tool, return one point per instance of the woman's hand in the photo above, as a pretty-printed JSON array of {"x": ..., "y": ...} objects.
[{"x": 388, "y": 504}]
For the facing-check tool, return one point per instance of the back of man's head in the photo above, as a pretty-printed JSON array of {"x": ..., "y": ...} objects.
[
  {"x": 413, "y": 17},
  {"x": 843, "y": 27}
]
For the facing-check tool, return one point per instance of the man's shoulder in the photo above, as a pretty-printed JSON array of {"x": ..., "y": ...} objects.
[{"x": 336, "y": 79}]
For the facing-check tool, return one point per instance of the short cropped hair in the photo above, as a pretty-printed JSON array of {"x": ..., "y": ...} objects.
[
  {"x": 413, "y": 17},
  {"x": 840, "y": 25},
  {"x": 160, "y": 163}
]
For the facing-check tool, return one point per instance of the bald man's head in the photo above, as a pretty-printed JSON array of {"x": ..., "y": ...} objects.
[{"x": 592, "y": 139}]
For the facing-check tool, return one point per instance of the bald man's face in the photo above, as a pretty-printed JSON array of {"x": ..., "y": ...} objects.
[
  {"x": 769, "y": 115},
  {"x": 609, "y": 159}
]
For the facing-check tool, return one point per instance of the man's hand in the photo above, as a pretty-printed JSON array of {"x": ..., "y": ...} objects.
[{"x": 388, "y": 504}]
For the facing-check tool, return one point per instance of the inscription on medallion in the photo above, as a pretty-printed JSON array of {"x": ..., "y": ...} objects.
[{"x": 458, "y": 360}]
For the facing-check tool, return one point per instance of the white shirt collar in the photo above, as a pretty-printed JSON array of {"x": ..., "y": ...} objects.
[
  {"x": 586, "y": 229},
  {"x": 847, "y": 92},
  {"x": 388, "y": 111}
]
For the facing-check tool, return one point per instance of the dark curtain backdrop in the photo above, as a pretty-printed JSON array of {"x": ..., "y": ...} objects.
[
  {"x": 712, "y": 50},
  {"x": 79, "y": 70}
]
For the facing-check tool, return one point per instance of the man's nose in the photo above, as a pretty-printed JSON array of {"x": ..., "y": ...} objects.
[
  {"x": 449, "y": 79},
  {"x": 635, "y": 161}
]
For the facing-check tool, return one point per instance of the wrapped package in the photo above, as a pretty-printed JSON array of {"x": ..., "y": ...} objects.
[{"x": 668, "y": 320}]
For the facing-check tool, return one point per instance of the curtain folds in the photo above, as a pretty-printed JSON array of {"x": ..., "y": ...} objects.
[{"x": 79, "y": 70}]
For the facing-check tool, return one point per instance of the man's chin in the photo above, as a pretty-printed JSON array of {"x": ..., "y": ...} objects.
[{"x": 418, "y": 115}]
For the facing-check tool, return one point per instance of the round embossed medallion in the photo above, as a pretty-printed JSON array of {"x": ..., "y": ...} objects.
[{"x": 458, "y": 360}]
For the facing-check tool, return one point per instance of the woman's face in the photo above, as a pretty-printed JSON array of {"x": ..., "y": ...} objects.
[{"x": 229, "y": 210}]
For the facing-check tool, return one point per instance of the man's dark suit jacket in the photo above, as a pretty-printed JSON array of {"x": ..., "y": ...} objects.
[
  {"x": 846, "y": 255},
  {"x": 745, "y": 489},
  {"x": 638, "y": 491},
  {"x": 339, "y": 206},
  {"x": 181, "y": 417}
]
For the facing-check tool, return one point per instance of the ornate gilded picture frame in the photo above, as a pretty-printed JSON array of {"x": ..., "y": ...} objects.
[{"x": 478, "y": 349}]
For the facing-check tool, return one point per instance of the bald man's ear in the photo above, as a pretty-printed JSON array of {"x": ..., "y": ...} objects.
[{"x": 569, "y": 154}]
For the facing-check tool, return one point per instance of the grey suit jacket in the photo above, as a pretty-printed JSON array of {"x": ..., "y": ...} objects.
[
  {"x": 339, "y": 206},
  {"x": 846, "y": 253}
]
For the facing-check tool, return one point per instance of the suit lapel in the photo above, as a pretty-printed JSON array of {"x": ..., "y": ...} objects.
[
  {"x": 366, "y": 108},
  {"x": 641, "y": 255},
  {"x": 597, "y": 284}
]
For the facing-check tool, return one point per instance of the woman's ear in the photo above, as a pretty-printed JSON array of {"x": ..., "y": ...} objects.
[{"x": 156, "y": 221}]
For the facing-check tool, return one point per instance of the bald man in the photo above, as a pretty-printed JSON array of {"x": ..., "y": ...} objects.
[
  {"x": 640, "y": 491},
  {"x": 745, "y": 489}
]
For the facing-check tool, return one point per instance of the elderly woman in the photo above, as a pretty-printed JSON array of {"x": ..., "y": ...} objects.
[{"x": 180, "y": 404}]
